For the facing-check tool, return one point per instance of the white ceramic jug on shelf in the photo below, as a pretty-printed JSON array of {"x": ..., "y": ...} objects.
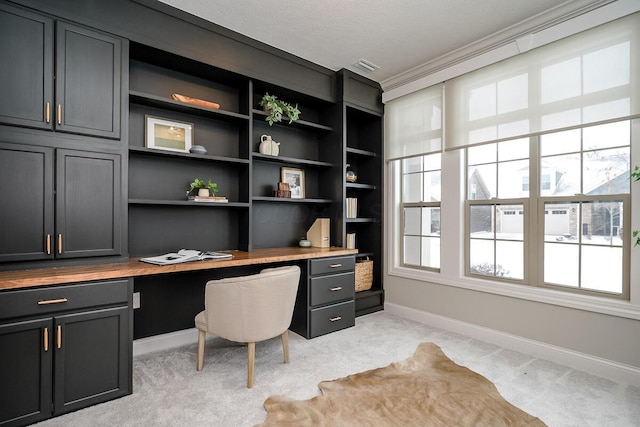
[{"x": 269, "y": 146}]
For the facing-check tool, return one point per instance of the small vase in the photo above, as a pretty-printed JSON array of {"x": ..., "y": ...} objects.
[{"x": 203, "y": 192}]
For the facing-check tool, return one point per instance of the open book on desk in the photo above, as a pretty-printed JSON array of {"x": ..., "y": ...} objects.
[{"x": 185, "y": 255}]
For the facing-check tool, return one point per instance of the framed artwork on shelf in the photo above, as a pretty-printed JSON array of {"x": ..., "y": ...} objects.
[
  {"x": 295, "y": 178},
  {"x": 169, "y": 135}
]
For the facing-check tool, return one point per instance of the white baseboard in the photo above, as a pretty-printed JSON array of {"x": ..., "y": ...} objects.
[
  {"x": 618, "y": 372},
  {"x": 165, "y": 341}
]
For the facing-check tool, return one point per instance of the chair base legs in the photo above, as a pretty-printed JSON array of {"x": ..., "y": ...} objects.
[
  {"x": 285, "y": 345},
  {"x": 202, "y": 335},
  {"x": 251, "y": 353}
]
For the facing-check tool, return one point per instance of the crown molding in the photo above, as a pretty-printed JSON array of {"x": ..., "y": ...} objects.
[{"x": 510, "y": 41}]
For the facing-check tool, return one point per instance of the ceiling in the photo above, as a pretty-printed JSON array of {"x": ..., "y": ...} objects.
[{"x": 402, "y": 37}]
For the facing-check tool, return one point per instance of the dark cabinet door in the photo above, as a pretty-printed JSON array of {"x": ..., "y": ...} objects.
[
  {"x": 92, "y": 362},
  {"x": 26, "y": 196},
  {"x": 25, "y": 371},
  {"x": 88, "y": 204},
  {"x": 26, "y": 73},
  {"x": 88, "y": 82}
]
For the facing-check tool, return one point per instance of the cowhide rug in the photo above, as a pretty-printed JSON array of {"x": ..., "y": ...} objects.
[{"x": 427, "y": 389}]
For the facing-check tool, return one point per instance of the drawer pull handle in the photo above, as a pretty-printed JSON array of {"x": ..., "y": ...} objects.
[
  {"x": 46, "y": 339},
  {"x": 48, "y": 112},
  {"x": 48, "y": 244},
  {"x": 335, "y": 319},
  {"x": 59, "y": 336},
  {"x": 59, "y": 114},
  {"x": 335, "y": 265},
  {"x": 52, "y": 301},
  {"x": 59, "y": 243},
  {"x": 337, "y": 288}
]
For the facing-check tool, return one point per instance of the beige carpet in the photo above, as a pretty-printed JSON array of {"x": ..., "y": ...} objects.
[{"x": 427, "y": 389}]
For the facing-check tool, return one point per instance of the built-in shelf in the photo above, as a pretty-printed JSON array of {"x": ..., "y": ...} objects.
[
  {"x": 191, "y": 156},
  {"x": 360, "y": 220},
  {"x": 359, "y": 186},
  {"x": 187, "y": 203},
  {"x": 364, "y": 254},
  {"x": 170, "y": 104},
  {"x": 360, "y": 152},
  {"x": 303, "y": 124},
  {"x": 288, "y": 200},
  {"x": 279, "y": 159}
]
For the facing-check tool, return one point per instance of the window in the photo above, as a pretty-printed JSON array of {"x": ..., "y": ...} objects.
[
  {"x": 420, "y": 205},
  {"x": 583, "y": 244},
  {"x": 535, "y": 173},
  {"x": 582, "y": 212},
  {"x": 495, "y": 215}
]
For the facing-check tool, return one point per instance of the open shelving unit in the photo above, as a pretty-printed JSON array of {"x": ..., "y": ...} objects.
[{"x": 328, "y": 136}]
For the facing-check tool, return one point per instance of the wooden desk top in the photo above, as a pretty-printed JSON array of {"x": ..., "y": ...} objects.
[{"x": 62, "y": 275}]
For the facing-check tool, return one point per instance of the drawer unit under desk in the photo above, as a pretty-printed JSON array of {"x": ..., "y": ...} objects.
[
  {"x": 331, "y": 288},
  {"x": 332, "y": 318},
  {"x": 331, "y": 265}
]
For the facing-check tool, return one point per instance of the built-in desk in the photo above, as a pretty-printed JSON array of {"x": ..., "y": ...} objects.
[{"x": 135, "y": 268}]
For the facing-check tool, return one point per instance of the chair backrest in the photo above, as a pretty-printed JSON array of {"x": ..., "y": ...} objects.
[{"x": 252, "y": 308}]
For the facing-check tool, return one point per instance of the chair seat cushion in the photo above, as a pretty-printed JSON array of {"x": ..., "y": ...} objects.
[{"x": 201, "y": 321}]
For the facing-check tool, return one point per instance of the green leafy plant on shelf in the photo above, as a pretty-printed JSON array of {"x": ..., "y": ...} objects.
[
  {"x": 198, "y": 184},
  {"x": 635, "y": 175},
  {"x": 276, "y": 109}
]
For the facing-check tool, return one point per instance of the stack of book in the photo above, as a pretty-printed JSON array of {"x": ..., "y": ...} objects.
[
  {"x": 351, "y": 240},
  {"x": 352, "y": 207},
  {"x": 211, "y": 199}
]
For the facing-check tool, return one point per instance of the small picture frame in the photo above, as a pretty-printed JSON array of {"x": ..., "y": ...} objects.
[
  {"x": 295, "y": 178},
  {"x": 168, "y": 135}
]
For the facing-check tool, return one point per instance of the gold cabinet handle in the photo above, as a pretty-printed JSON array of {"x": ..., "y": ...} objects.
[
  {"x": 337, "y": 288},
  {"x": 46, "y": 339},
  {"x": 47, "y": 112},
  {"x": 59, "y": 114},
  {"x": 335, "y": 319},
  {"x": 59, "y": 243},
  {"x": 52, "y": 301},
  {"x": 59, "y": 334},
  {"x": 48, "y": 244},
  {"x": 335, "y": 265}
]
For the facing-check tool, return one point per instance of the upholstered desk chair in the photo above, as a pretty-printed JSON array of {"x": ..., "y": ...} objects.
[{"x": 249, "y": 309}]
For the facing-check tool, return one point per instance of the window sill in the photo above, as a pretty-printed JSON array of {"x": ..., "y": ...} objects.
[{"x": 589, "y": 303}]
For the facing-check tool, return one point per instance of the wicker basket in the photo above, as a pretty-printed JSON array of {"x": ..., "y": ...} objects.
[{"x": 364, "y": 274}]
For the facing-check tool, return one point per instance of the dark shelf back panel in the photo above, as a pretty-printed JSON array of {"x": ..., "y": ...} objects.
[
  {"x": 156, "y": 230},
  {"x": 163, "y": 82},
  {"x": 284, "y": 224},
  {"x": 220, "y": 138},
  {"x": 293, "y": 142},
  {"x": 267, "y": 175},
  {"x": 168, "y": 178}
]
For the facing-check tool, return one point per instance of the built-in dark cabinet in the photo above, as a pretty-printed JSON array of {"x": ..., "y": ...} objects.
[
  {"x": 82, "y": 219},
  {"x": 84, "y": 66},
  {"x": 63, "y": 348},
  {"x": 363, "y": 145}
]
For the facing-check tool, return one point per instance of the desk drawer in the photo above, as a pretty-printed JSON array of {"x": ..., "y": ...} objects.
[
  {"x": 331, "y": 265},
  {"x": 47, "y": 300},
  {"x": 332, "y": 288},
  {"x": 332, "y": 318}
]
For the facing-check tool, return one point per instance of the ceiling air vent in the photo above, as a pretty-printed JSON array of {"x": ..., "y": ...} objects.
[{"x": 365, "y": 65}]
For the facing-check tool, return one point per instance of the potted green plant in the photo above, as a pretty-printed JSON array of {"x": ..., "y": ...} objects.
[
  {"x": 635, "y": 175},
  {"x": 205, "y": 189},
  {"x": 276, "y": 109}
]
